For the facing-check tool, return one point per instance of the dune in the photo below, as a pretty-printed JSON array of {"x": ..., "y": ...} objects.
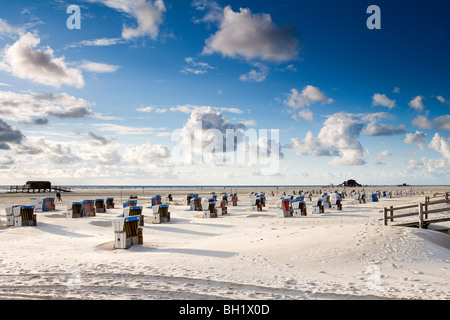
[{"x": 247, "y": 255}]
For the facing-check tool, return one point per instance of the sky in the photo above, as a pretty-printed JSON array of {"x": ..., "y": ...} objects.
[{"x": 116, "y": 92}]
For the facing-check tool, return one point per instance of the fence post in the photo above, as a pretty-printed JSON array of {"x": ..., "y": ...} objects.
[
  {"x": 392, "y": 213},
  {"x": 421, "y": 215},
  {"x": 385, "y": 215}
]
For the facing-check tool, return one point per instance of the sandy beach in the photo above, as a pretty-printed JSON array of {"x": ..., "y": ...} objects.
[{"x": 247, "y": 255}]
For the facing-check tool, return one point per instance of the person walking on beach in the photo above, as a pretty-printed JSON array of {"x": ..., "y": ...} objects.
[{"x": 58, "y": 195}]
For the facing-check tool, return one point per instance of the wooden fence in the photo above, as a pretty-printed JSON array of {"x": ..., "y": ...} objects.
[{"x": 422, "y": 212}]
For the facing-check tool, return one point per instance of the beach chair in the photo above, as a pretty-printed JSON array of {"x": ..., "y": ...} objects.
[
  {"x": 189, "y": 198},
  {"x": 234, "y": 200},
  {"x": 317, "y": 206},
  {"x": 253, "y": 202},
  {"x": 88, "y": 208},
  {"x": 37, "y": 204},
  {"x": 285, "y": 210},
  {"x": 225, "y": 198},
  {"x": 206, "y": 208},
  {"x": 109, "y": 203},
  {"x": 74, "y": 210},
  {"x": 326, "y": 201},
  {"x": 213, "y": 209},
  {"x": 336, "y": 203},
  {"x": 259, "y": 205},
  {"x": 163, "y": 212},
  {"x": 263, "y": 200},
  {"x": 198, "y": 204},
  {"x": 100, "y": 205},
  {"x": 48, "y": 204},
  {"x": 134, "y": 211},
  {"x": 10, "y": 216},
  {"x": 374, "y": 197},
  {"x": 298, "y": 208},
  {"x": 127, "y": 232},
  {"x": 223, "y": 208},
  {"x": 19, "y": 216}
]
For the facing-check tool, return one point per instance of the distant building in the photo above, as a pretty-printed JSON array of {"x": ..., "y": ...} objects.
[
  {"x": 38, "y": 185},
  {"x": 350, "y": 183}
]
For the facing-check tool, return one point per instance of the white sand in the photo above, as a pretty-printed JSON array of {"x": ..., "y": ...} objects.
[{"x": 345, "y": 254}]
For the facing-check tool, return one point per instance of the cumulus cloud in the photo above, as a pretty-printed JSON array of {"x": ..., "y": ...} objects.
[
  {"x": 148, "y": 15},
  {"x": 252, "y": 36},
  {"x": 382, "y": 100},
  {"x": 340, "y": 133},
  {"x": 438, "y": 123},
  {"x": 24, "y": 60},
  {"x": 441, "y": 145},
  {"x": 417, "y": 138},
  {"x": 374, "y": 129},
  {"x": 148, "y": 155},
  {"x": 310, "y": 146},
  {"x": 9, "y": 135},
  {"x": 302, "y": 100},
  {"x": 308, "y": 96},
  {"x": 37, "y": 107},
  {"x": 417, "y": 103}
]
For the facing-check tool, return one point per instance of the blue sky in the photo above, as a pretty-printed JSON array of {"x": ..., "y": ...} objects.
[{"x": 100, "y": 104}]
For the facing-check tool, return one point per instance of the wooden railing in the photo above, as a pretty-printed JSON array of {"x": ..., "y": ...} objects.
[{"x": 422, "y": 212}]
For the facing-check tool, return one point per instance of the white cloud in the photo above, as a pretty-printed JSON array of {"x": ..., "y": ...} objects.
[
  {"x": 374, "y": 129},
  {"x": 443, "y": 100},
  {"x": 417, "y": 138},
  {"x": 7, "y": 29},
  {"x": 382, "y": 100},
  {"x": 102, "y": 42},
  {"x": 414, "y": 165},
  {"x": 9, "y": 135},
  {"x": 252, "y": 36},
  {"x": 306, "y": 114},
  {"x": 441, "y": 145},
  {"x": 195, "y": 67},
  {"x": 188, "y": 108},
  {"x": 255, "y": 75},
  {"x": 24, "y": 61},
  {"x": 417, "y": 103},
  {"x": 124, "y": 130},
  {"x": 384, "y": 155},
  {"x": 149, "y": 16},
  {"x": 22, "y": 107},
  {"x": 308, "y": 96},
  {"x": 146, "y": 153},
  {"x": 96, "y": 67},
  {"x": 340, "y": 133},
  {"x": 438, "y": 123},
  {"x": 310, "y": 146},
  {"x": 213, "y": 11}
]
